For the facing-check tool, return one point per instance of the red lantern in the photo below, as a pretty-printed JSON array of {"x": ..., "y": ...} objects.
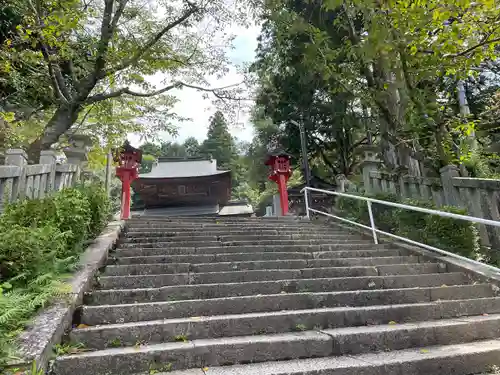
[
  {"x": 128, "y": 159},
  {"x": 280, "y": 172}
]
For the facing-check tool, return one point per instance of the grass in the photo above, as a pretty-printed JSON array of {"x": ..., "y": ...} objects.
[
  {"x": 181, "y": 338},
  {"x": 115, "y": 343},
  {"x": 155, "y": 368},
  {"x": 70, "y": 348},
  {"x": 300, "y": 328}
]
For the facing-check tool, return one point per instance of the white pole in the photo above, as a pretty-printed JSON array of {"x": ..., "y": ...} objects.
[
  {"x": 372, "y": 222},
  {"x": 306, "y": 200}
]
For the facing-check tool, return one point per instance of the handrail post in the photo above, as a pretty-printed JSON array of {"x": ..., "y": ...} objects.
[
  {"x": 372, "y": 222},
  {"x": 306, "y": 200}
]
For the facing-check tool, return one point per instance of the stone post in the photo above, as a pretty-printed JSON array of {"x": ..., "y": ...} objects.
[
  {"x": 341, "y": 182},
  {"x": 450, "y": 192},
  {"x": 277, "y": 205},
  {"x": 19, "y": 158},
  {"x": 77, "y": 153},
  {"x": 16, "y": 157},
  {"x": 48, "y": 182},
  {"x": 368, "y": 165}
]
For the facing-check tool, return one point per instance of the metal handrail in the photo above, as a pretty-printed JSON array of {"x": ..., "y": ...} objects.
[{"x": 374, "y": 229}]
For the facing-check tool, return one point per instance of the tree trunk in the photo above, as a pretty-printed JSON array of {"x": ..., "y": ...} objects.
[{"x": 62, "y": 120}]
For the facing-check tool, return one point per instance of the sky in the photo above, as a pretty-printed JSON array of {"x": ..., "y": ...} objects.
[{"x": 192, "y": 105}]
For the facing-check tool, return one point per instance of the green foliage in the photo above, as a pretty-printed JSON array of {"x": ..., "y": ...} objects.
[
  {"x": 99, "y": 206},
  {"x": 457, "y": 236},
  {"x": 72, "y": 214},
  {"x": 461, "y": 236},
  {"x": 27, "y": 252},
  {"x": 41, "y": 241},
  {"x": 357, "y": 210},
  {"x": 219, "y": 143}
]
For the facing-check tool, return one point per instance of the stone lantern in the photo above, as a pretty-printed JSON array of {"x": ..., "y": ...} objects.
[
  {"x": 280, "y": 172},
  {"x": 128, "y": 159}
]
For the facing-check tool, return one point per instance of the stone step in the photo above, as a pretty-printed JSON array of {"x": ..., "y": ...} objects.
[
  {"x": 208, "y": 249},
  {"x": 225, "y": 231},
  {"x": 105, "y": 314},
  {"x": 246, "y": 237},
  {"x": 257, "y": 256},
  {"x": 457, "y": 359},
  {"x": 207, "y": 291},
  {"x": 282, "y": 346},
  {"x": 224, "y": 227},
  {"x": 347, "y": 339},
  {"x": 159, "y": 280},
  {"x": 193, "y": 242},
  {"x": 221, "y": 223},
  {"x": 166, "y": 268}
]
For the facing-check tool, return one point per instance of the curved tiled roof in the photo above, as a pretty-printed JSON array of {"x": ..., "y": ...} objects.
[{"x": 176, "y": 168}]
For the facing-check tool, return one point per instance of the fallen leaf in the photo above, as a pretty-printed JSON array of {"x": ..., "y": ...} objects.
[
  {"x": 197, "y": 318},
  {"x": 423, "y": 351},
  {"x": 283, "y": 292},
  {"x": 80, "y": 326},
  {"x": 444, "y": 286},
  {"x": 392, "y": 322},
  {"x": 205, "y": 368}
]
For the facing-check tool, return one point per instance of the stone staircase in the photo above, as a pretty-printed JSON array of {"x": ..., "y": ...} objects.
[{"x": 192, "y": 296}]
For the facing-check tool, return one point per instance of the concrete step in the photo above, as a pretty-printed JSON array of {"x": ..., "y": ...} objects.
[
  {"x": 457, "y": 359},
  {"x": 193, "y": 242},
  {"x": 159, "y": 280},
  {"x": 207, "y": 291},
  {"x": 230, "y": 232},
  {"x": 378, "y": 336},
  {"x": 247, "y": 237},
  {"x": 283, "y": 346},
  {"x": 219, "y": 249},
  {"x": 105, "y": 314},
  {"x": 166, "y": 268},
  {"x": 207, "y": 225},
  {"x": 249, "y": 257}
]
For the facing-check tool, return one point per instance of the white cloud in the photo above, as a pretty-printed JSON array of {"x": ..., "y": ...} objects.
[{"x": 193, "y": 105}]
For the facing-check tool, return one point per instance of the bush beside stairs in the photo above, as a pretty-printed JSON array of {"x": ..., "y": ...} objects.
[{"x": 193, "y": 296}]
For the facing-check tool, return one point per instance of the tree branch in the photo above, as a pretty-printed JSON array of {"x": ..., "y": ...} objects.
[
  {"x": 118, "y": 13},
  {"x": 175, "y": 85},
  {"x": 55, "y": 74},
  {"x": 126, "y": 91},
  {"x": 134, "y": 59},
  {"x": 469, "y": 50}
]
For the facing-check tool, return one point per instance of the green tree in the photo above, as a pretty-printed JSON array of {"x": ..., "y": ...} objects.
[
  {"x": 219, "y": 143},
  {"x": 79, "y": 54},
  {"x": 192, "y": 147},
  {"x": 400, "y": 62}
]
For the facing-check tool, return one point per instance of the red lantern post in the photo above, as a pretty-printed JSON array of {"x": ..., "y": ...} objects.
[
  {"x": 280, "y": 172},
  {"x": 128, "y": 159}
]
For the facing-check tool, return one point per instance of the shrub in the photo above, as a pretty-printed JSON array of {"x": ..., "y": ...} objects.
[
  {"x": 40, "y": 240},
  {"x": 357, "y": 210},
  {"x": 26, "y": 253},
  {"x": 412, "y": 224},
  {"x": 457, "y": 236},
  {"x": 72, "y": 214},
  {"x": 99, "y": 205},
  {"x": 27, "y": 213}
]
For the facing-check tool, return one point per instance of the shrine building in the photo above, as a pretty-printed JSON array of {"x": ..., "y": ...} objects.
[{"x": 184, "y": 182}]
